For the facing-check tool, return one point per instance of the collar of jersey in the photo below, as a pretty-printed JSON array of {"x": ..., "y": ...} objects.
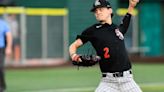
[{"x": 105, "y": 25}]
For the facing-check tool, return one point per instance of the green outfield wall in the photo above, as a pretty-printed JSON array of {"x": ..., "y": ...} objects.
[{"x": 151, "y": 34}]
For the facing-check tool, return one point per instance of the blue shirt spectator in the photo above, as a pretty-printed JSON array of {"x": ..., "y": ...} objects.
[
  {"x": 5, "y": 50},
  {"x": 4, "y": 28}
]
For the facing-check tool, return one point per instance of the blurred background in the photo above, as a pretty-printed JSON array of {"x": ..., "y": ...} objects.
[{"x": 43, "y": 30}]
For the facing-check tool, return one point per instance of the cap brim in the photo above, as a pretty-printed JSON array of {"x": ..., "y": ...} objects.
[{"x": 99, "y": 6}]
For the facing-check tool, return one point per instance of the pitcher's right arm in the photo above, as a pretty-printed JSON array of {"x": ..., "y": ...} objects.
[{"x": 73, "y": 48}]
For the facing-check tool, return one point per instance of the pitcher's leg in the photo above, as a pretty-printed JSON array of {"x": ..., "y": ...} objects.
[
  {"x": 107, "y": 87},
  {"x": 130, "y": 86}
]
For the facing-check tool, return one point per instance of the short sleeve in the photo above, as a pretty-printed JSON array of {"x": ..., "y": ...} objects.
[
  {"x": 85, "y": 36},
  {"x": 6, "y": 27}
]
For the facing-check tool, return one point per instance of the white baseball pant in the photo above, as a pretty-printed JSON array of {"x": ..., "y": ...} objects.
[{"x": 124, "y": 83}]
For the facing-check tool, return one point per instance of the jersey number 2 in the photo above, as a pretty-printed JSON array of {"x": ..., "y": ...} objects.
[{"x": 106, "y": 52}]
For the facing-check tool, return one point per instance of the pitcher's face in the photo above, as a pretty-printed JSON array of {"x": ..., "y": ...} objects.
[{"x": 103, "y": 13}]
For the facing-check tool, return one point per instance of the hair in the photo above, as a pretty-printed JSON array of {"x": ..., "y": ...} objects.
[{"x": 112, "y": 13}]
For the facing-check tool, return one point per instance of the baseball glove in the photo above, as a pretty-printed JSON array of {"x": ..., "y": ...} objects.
[{"x": 87, "y": 60}]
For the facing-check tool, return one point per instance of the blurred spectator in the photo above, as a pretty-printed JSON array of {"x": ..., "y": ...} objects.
[
  {"x": 5, "y": 49},
  {"x": 7, "y": 3},
  {"x": 13, "y": 25}
]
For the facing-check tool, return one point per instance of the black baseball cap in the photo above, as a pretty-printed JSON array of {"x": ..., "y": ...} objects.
[{"x": 99, "y": 4}]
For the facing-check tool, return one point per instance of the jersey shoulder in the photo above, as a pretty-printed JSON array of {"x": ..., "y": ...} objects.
[
  {"x": 90, "y": 29},
  {"x": 94, "y": 26}
]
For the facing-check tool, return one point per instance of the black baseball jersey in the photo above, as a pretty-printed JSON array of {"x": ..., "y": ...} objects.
[{"x": 108, "y": 41}]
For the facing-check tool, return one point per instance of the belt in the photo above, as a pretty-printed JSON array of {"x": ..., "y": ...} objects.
[{"x": 117, "y": 74}]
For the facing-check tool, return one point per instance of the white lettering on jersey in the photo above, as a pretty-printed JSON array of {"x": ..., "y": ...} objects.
[{"x": 119, "y": 34}]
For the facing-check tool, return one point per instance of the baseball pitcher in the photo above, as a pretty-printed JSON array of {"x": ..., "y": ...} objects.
[{"x": 108, "y": 40}]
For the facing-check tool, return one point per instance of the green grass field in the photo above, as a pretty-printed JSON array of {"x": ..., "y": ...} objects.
[{"x": 69, "y": 79}]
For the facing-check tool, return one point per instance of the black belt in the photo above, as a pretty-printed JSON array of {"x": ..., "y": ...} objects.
[{"x": 117, "y": 74}]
